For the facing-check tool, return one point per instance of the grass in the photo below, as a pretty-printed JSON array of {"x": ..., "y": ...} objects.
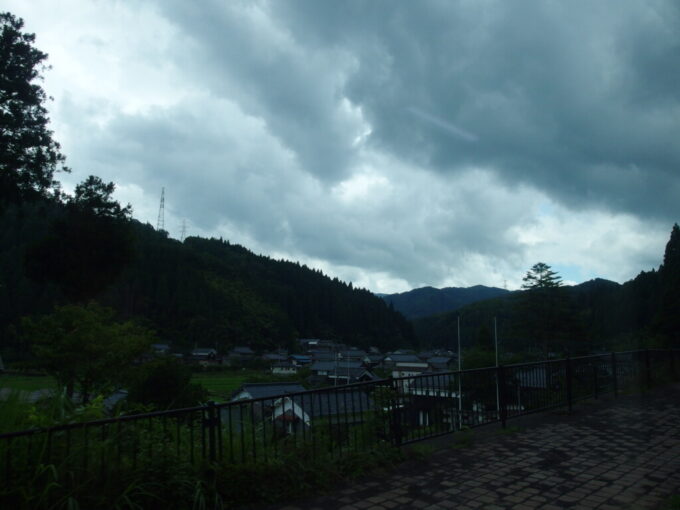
[
  {"x": 221, "y": 385},
  {"x": 672, "y": 503},
  {"x": 20, "y": 382}
]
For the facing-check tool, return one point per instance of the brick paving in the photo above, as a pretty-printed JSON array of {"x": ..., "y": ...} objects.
[{"x": 623, "y": 453}]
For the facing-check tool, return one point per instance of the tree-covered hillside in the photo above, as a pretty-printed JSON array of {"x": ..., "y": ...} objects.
[
  {"x": 430, "y": 301},
  {"x": 204, "y": 292},
  {"x": 594, "y": 315}
]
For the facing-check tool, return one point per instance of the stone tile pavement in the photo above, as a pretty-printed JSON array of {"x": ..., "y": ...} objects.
[{"x": 622, "y": 453}]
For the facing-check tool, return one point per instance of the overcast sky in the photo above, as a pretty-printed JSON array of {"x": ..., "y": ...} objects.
[{"x": 393, "y": 144}]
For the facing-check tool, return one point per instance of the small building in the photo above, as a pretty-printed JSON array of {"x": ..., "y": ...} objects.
[
  {"x": 265, "y": 390},
  {"x": 442, "y": 363},
  {"x": 326, "y": 367},
  {"x": 274, "y": 357},
  {"x": 301, "y": 360},
  {"x": 284, "y": 368},
  {"x": 241, "y": 353},
  {"x": 204, "y": 353},
  {"x": 405, "y": 365},
  {"x": 342, "y": 375},
  {"x": 160, "y": 349},
  {"x": 354, "y": 355}
]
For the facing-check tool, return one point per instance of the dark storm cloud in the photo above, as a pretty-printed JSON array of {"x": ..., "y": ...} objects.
[
  {"x": 395, "y": 143},
  {"x": 577, "y": 98}
]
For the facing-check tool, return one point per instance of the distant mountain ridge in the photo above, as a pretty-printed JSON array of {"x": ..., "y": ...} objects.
[{"x": 426, "y": 301}]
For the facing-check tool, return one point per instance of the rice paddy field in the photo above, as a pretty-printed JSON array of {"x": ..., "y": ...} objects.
[
  {"x": 220, "y": 385},
  {"x": 21, "y": 382}
]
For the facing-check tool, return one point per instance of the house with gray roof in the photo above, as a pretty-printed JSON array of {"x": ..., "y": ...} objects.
[
  {"x": 442, "y": 363},
  {"x": 264, "y": 390}
]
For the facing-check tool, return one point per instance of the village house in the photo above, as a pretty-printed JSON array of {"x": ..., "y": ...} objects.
[
  {"x": 205, "y": 356},
  {"x": 284, "y": 368},
  {"x": 241, "y": 354},
  {"x": 405, "y": 365}
]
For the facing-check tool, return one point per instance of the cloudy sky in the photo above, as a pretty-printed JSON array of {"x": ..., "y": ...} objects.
[{"x": 394, "y": 144}]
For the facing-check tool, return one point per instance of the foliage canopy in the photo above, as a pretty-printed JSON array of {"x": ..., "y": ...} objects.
[
  {"x": 28, "y": 154},
  {"x": 84, "y": 348},
  {"x": 541, "y": 276}
]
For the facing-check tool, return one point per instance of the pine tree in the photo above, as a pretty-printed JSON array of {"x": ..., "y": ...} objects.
[{"x": 541, "y": 276}]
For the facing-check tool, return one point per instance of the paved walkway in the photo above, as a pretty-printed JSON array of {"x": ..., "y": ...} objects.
[{"x": 621, "y": 454}]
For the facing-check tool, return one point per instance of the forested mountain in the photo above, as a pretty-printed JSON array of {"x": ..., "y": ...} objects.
[
  {"x": 595, "y": 315},
  {"x": 430, "y": 301},
  {"x": 204, "y": 292}
]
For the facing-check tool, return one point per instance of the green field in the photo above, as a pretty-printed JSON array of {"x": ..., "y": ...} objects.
[
  {"x": 221, "y": 385},
  {"x": 26, "y": 382}
]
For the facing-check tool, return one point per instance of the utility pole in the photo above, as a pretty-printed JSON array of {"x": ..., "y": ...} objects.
[
  {"x": 460, "y": 375},
  {"x": 498, "y": 395}
]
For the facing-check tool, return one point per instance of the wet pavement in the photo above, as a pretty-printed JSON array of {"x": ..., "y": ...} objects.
[{"x": 619, "y": 453}]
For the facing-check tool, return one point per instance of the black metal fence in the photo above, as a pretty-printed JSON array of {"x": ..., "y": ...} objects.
[{"x": 335, "y": 421}]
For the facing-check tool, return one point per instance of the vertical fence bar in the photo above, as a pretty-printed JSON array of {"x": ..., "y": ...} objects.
[
  {"x": 264, "y": 424},
  {"x": 242, "y": 427},
  {"x": 252, "y": 430},
  {"x": 671, "y": 359},
  {"x": 230, "y": 410},
  {"x": 211, "y": 422},
  {"x": 502, "y": 404},
  {"x": 568, "y": 373},
  {"x": 648, "y": 370},
  {"x": 395, "y": 420},
  {"x": 615, "y": 375}
]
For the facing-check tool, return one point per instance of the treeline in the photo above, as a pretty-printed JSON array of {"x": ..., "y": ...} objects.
[
  {"x": 593, "y": 316},
  {"x": 204, "y": 292}
]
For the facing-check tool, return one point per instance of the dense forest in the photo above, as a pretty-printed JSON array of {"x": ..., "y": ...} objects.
[
  {"x": 427, "y": 301},
  {"x": 595, "y": 315},
  {"x": 204, "y": 292}
]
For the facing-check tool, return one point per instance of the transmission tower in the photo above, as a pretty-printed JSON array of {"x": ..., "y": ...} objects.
[
  {"x": 160, "y": 225},
  {"x": 184, "y": 231}
]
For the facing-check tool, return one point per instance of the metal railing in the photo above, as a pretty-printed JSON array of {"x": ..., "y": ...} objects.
[{"x": 336, "y": 421}]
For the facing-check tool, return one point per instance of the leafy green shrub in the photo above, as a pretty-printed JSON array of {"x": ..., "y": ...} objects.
[{"x": 165, "y": 384}]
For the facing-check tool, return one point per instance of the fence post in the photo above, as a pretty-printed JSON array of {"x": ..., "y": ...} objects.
[
  {"x": 569, "y": 383},
  {"x": 616, "y": 383},
  {"x": 211, "y": 422},
  {"x": 503, "y": 408},
  {"x": 648, "y": 371},
  {"x": 671, "y": 360},
  {"x": 395, "y": 429}
]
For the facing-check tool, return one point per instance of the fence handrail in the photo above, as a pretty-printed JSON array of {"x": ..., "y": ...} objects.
[{"x": 345, "y": 388}]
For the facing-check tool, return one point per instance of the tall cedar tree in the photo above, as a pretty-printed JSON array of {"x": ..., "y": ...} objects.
[
  {"x": 28, "y": 154},
  {"x": 667, "y": 320}
]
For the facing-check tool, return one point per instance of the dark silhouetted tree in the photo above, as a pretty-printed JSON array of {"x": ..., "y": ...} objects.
[
  {"x": 667, "y": 320},
  {"x": 28, "y": 154},
  {"x": 87, "y": 246},
  {"x": 541, "y": 276}
]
